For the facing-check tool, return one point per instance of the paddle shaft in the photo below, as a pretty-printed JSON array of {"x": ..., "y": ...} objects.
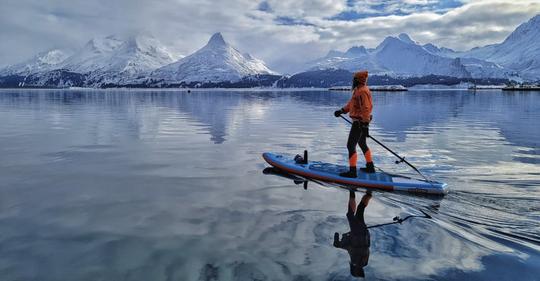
[
  {"x": 401, "y": 159},
  {"x": 400, "y": 220}
]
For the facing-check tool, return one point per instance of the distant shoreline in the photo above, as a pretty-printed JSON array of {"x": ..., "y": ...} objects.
[{"x": 227, "y": 89}]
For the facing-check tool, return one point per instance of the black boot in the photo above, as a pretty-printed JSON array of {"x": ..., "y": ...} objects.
[
  {"x": 350, "y": 174},
  {"x": 370, "y": 168},
  {"x": 336, "y": 239}
]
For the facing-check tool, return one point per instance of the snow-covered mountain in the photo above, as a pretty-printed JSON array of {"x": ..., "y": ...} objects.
[
  {"x": 439, "y": 51},
  {"x": 216, "y": 61},
  {"x": 142, "y": 60},
  {"x": 520, "y": 51},
  {"x": 115, "y": 58},
  {"x": 441, "y": 57},
  {"x": 402, "y": 56},
  {"x": 41, "y": 62},
  {"x": 353, "y": 59},
  {"x": 110, "y": 59}
]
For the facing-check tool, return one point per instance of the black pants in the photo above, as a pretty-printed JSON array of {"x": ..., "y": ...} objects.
[
  {"x": 356, "y": 220},
  {"x": 358, "y": 135}
]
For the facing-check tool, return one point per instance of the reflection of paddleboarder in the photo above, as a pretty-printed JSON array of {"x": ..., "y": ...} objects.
[{"x": 356, "y": 241}]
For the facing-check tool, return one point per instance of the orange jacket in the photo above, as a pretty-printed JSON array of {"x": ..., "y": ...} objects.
[{"x": 360, "y": 105}]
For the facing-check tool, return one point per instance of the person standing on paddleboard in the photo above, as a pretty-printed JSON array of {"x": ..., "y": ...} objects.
[
  {"x": 359, "y": 108},
  {"x": 357, "y": 241}
]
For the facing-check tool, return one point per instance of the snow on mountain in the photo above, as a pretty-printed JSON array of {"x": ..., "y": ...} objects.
[
  {"x": 129, "y": 56},
  {"x": 353, "y": 59},
  {"x": 442, "y": 51},
  {"x": 110, "y": 59},
  {"x": 404, "y": 57},
  {"x": 356, "y": 51},
  {"x": 41, "y": 62},
  {"x": 119, "y": 60},
  {"x": 478, "y": 68},
  {"x": 95, "y": 55},
  {"x": 520, "y": 51},
  {"x": 397, "y": 56},
  {"x": 58, "y": 78},
  {"x": 216, "y": 61},
  {"x": 484, "y": 69},
  {"x": 404, "y": 37}
]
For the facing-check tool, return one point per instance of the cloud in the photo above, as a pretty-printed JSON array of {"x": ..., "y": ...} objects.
[
  {"x": 283, "y": 33},
  {"x": 473, "y": 24},
  {"x": 302, "y": 8},
  {"x": 369, "y": 8}
]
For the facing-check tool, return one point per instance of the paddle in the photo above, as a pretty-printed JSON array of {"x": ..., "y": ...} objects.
[
  {"x": 400, "y": 220},
  {"x": 401, "y": 159}
]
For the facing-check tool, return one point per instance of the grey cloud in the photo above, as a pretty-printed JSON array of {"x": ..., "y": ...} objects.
[
  {"x": 321, "y": 8},
  {"x": 472, "y": 25},
  {"x": 30, "y": 26}
]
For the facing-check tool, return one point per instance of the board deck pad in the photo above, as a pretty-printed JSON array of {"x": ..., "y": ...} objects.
[
  {"x": 336, "y": 169},
  {"x": 330, "y": 173}
]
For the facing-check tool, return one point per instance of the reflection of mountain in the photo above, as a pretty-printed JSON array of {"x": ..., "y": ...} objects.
[
  {"x": 511, "y": 114},
  {"x": 395, "y": 114},
  {"x": 211, "y": 109},
  {"x": 132, "y": 173},
  {"x": 398, "y": 114}
]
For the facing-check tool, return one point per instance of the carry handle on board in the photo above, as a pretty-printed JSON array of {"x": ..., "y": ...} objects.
[{"x": 401, "y": 159}]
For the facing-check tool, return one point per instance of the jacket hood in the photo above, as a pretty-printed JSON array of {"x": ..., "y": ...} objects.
[{"x": 361, "y": 77}]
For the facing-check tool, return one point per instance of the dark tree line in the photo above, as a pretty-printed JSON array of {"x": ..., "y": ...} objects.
[{"x": 309, "y": 79}]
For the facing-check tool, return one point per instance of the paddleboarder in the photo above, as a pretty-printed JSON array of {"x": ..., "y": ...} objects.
[
  {"x": 356, "y": 241},
  {"x": 359, "y": 109}
]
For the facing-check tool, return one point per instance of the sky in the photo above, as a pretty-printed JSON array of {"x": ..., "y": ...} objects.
[{"x": 283, "y": 33}]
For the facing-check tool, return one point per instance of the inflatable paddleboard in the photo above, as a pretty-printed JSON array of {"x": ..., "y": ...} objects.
[{"x": 330, "y": 173}]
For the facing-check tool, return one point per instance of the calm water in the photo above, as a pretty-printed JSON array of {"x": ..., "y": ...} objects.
[{"x": 166, "y": 185}]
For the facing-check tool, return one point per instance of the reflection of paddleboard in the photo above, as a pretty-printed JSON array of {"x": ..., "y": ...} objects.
[{"x": 330, "y": 173}]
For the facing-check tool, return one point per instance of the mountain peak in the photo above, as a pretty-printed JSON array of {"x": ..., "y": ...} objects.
[
  {"x": 217, "y": 40},
  {"x": 405, "y": 38},
  {"x": 533, "y": 22},
  {"x": 53, "y": 56},
  {"x": 217, "y": 61},
  {"x": 356, "y": 51},
  {"x": 334, "y": 53},
  {"x": 389, "y": 40},
  {"x": 103, "y": 44},
  {"x": 431, "y": 48},
  {"x": 529, "y": 29},
  {"x": 43, "y": 61}
]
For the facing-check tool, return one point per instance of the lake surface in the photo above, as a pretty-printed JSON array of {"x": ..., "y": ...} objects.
[{"x": 168, "y": 185}]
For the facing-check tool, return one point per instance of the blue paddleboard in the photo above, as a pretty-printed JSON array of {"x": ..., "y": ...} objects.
[{"x": 330, "y": 173}]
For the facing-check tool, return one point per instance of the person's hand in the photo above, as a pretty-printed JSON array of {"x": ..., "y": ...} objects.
[{"x": 337, "y": 113}]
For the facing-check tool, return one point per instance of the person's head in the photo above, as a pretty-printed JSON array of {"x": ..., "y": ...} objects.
[
  {"x": 357, "y": 270},
  {"x": 360, "y": 79}
]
